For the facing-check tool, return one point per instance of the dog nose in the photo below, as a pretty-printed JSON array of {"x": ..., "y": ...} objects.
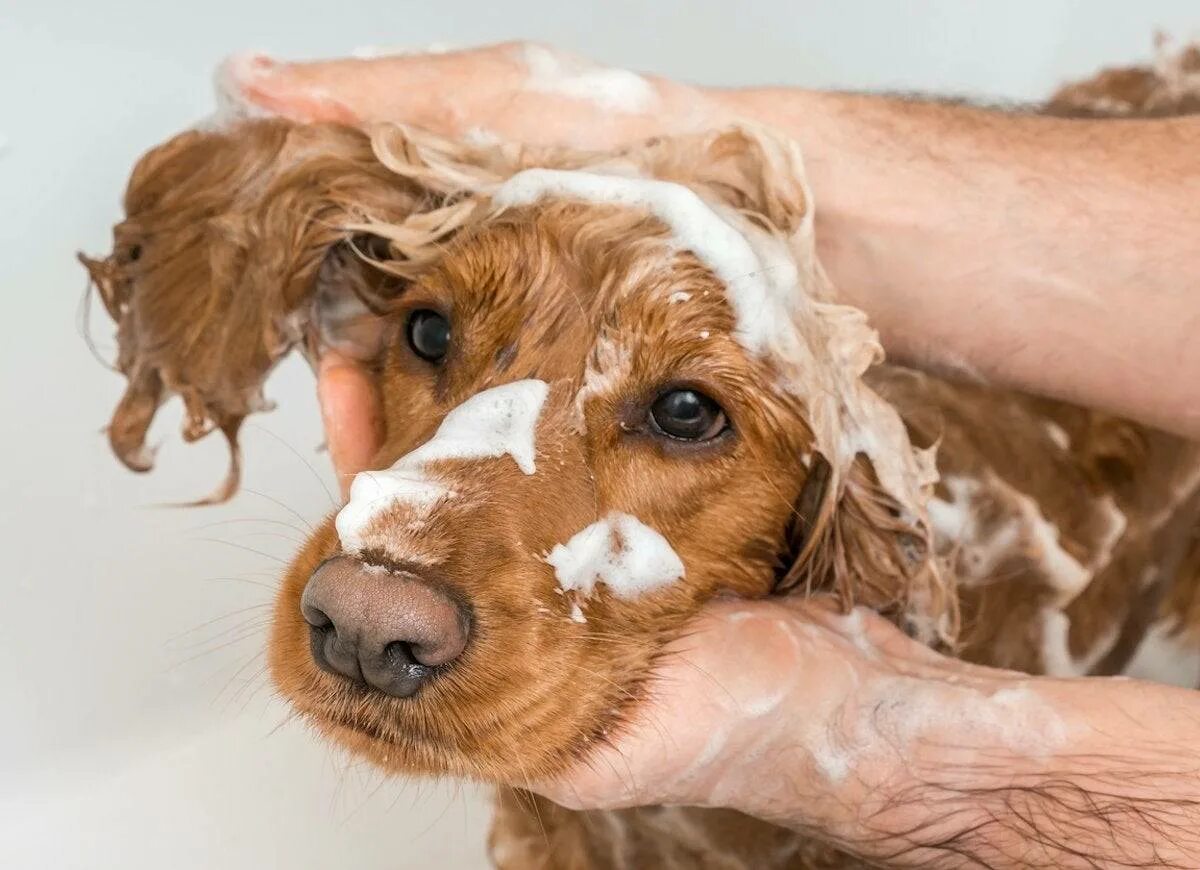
[{"x": 388, "y": 630}]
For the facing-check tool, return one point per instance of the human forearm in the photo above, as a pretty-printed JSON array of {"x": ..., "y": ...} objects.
[
  {"x": 989, "y": 770},
  {"x": 1057, "y": 256}
]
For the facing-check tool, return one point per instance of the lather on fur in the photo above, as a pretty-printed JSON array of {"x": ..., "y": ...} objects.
[{"x": 1053, "y": 539}]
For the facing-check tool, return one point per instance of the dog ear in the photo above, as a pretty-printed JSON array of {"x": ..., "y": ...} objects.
[
  {"x": 858, "y": 544},
  {"x": 238, "y": 246},
  {"x": 352, "y": 295},
  {"x": 752, "y": 169}
]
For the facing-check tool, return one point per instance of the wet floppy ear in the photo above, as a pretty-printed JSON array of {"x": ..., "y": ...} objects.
[
  {"x": 351, "y": 297},
  {"x": 755, "y": 170},
  {"x": 859, "y": 543},
  {"x": 100, "y": 273}
]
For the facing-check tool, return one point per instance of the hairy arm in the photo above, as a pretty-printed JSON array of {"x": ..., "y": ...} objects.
[
  {"x": 844, "y": 728},
  {"x": 1115, "y": 782},
  {"x": 1057, "y": 256},
  {"x": 1060, "y": 257}
]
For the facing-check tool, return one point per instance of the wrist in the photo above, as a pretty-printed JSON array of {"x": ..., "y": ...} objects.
[{"x": 878, "y": 749}]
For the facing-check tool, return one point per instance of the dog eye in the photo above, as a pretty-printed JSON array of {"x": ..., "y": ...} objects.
[
  {"x": 688, "y": 416},
  {"x": 428, "y": 335},
  {"x": 135, "y": 253}
]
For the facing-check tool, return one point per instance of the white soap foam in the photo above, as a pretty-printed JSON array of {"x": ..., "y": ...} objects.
[
  {"x": 229, "y": 80},
  {"x": 854, "y": 626},
  {"x": 613, "y": 89},
  {"x": 481, "y": 137},
  {"x": 908, "y": 711},
  {"x": 490, "y": 424},
  {"x": 1167, "y": 656},
  {"x": 620, "y": 551},
  {"x": 1057, "y": 660},
  {"x": 1058, "y": 435},
  {"x": 783, "y": 312},
  {"x": 758, "y": 291},
  {"x": 373, "y": 492}
]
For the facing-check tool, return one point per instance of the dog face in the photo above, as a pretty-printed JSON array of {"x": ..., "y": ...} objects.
[
  {"x": 591, "y": 433},
  {"x": 614, "y": 386},
  {"x": 629, "y": 466}
]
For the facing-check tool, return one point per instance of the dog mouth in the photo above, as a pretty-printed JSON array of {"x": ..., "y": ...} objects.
[
  {"x": 353, "y": 710},
  {"x": 369, "y": 728}
]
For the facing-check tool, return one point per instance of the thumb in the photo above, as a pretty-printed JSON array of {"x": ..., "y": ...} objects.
[{"x": 351, "y": 413}]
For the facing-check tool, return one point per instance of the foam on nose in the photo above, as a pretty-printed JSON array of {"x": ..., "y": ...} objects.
[{"x": 490, "y": 424}]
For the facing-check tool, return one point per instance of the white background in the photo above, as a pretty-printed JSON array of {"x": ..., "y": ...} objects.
[{"x": 136, "y": 732}]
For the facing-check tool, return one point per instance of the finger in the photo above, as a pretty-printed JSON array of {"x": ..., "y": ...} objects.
[
  {"x": 412, "y": 88},
  {"x": 351, "y": 412},
  {"x": 254, "y": 84}
]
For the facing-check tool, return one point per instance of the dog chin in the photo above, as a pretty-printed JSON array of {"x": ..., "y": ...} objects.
[{"x": 398, "y": 745}]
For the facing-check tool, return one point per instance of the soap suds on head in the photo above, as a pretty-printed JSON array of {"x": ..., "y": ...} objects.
[
  {"x": 756, "y": 290},
  {"x": 609, "y": 88},
  {"x": 620, "y": 551},
  {"x": 821, "y": 349},
  {"x": 608, "y": 363},
  {"x": 490, "y": 424},
  {"x": 783, "y": 314}
]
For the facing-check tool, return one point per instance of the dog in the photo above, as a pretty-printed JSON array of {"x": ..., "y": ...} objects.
[{"x": 616, "y": 386}]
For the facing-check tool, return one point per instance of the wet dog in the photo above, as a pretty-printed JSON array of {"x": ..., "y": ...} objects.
[{"x": 615, "y": 387}]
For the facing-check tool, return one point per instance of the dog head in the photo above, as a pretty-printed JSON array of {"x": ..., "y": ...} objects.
[
  {"x": 618, "y": 389},
  {"x": 615, "y": 386}
]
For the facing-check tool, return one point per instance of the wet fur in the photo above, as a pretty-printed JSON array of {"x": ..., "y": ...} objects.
[{"x": 241, "y": 244}]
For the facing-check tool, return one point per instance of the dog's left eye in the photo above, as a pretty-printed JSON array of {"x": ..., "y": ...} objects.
[
  {"x": 688, "y": 416},
  {"x": 428, "y": 335}
]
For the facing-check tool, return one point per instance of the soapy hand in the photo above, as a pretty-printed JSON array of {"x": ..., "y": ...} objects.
[{"x": 521, "y": 92}]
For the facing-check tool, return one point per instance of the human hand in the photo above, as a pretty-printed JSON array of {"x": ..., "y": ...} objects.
[
  {"x": 518, "y": 91},
  {"x": 838, "y": 725}
]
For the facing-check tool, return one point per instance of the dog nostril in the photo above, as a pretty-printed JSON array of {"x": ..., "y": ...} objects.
[
  {"x": 399, "y": 654},
  {"x": 316, "y": 618}
]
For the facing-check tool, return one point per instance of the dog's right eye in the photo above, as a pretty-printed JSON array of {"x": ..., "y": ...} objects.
[
  {"x": 687, "y": 415},
  {"x": 428, "y": 335}
]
